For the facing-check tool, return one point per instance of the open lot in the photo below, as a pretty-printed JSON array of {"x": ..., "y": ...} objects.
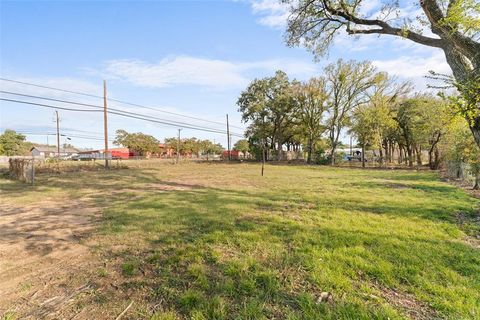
[{"x": 218, "y": 241}]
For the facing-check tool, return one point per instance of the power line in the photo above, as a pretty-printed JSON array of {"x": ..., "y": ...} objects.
[
  {"x": 121, "y": 113},
  {"x": 116, "y": 100},
  {"x": 176, "y": 123},
  {"x": 48, "y": 106},
  {"x": 65, "y": 135}
]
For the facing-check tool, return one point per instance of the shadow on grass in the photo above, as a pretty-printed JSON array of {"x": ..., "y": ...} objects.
[
  {"x": 224, "y": 253},
  {"x": 211, "y": 244}
]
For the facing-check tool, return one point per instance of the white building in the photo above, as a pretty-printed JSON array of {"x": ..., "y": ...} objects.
[{"x": 49, "y": 152}]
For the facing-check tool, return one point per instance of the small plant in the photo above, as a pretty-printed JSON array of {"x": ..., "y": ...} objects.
[
  {"x": 102, "y": 272},
  {"x": 9, "y": 315},
  {"x": 165, "y": 315},
  {"x": 129, "y": 268},
  {"x": 191, "y": 299}
]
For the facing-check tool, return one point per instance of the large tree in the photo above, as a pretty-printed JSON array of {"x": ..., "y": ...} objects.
[
  {"x": 267, "y": 105},
  {"x": 348, "y": 83},
  {"x": 242, "y": 145},
  {"x": 311, "y": 105},
  {"x": 453, "y": 26},
  {"x": 139, "y": 142}
]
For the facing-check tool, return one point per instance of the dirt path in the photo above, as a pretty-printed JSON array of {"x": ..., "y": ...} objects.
[{"x": 43, "y": 253}]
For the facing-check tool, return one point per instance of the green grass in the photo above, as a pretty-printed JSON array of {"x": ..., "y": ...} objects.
[{"x": 224, "y": 243}]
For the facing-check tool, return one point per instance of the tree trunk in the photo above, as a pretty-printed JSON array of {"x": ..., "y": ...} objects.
[
  {"x": 475, "y": 128},
  {"x": 279, "y": 151},
  {"x": 431, "y": 164},
  {"x": 309, "y": 151},
  {"x": 386, "y": 147},
  {"x": 410, "y": 155},
  {"x": 433, "y": 158},
  {"x": 380, "y": 160},
  {"x": 332, "y": 156},
  {"x": 418, "y": 152},
  {"x": 436, "y": 160},
  {"x": 476, "y": 186},
  {"x": 363, "y": 156},
  {"x": 263, "y": 159}
]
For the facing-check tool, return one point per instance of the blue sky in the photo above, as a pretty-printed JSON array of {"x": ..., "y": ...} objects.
[{"x": 190, "y": 57}]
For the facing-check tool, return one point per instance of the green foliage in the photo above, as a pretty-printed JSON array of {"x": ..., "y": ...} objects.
[
  {"x": 14, "y": 144},
  {"x": 139, "y": 142},
  {"x": 193, "y": 146},
  {"x": 242, "y": 145},
  {"x": 463, "y": 16},
  {"x": 455, "y": 23},
  {"x": 283, "y": 112},
  {"x": 348, "y": 82},
  {"x": 311, "y": 100},
  {"x": 467, "y": 103},
  {"x": 267, "y": 104},
  {"x": 129, "y": 268},
  {"x": 462, "y": 148}
]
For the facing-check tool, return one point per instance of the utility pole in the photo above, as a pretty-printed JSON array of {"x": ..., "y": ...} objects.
[
  {"x": 228, "y": 139},
  {"x": 178, "y": 146},
  {"x": 58, "y": 135},
  {"x": 105, "y": 124}
]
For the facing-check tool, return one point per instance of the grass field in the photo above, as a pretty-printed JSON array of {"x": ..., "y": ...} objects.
[{"x": 218, "y": 241}]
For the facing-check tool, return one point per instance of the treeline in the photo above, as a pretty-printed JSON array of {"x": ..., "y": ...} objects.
[
  {"x": 145, "y": 144},
  {"x": 353, "y": 97},
  {"x": 193, "y": 146}
]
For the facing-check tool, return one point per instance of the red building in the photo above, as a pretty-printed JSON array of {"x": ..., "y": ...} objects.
[
  {"x": 234, "y": 155},
  {"x": 121, "y": 153},
  {"x": 116, "y": 153}
]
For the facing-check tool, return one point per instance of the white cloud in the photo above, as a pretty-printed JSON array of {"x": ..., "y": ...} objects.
[
  {"x": 210, "y": 73},
  {"x": 182, "y": 70},
  {"x": 415, "y": 68},
  {"x": 43, "y": 83},
  {"x": 367, "y": 7},
  {"x": 272, "y": 13}
]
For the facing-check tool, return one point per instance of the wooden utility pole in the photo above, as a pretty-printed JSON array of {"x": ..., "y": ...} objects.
[
  {"x": 178, "y": 146},
  {"x": 58, "y": 135},
  {"x": 263, "y": 157},
  {"x": 363, "y": 155},
  {"x": 105, "y": 122},
  {"x": 228, "y": 139}
]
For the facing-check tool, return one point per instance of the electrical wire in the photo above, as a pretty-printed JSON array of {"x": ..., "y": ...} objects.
[
  {"x": 116, "y": 100},
  {"x": 122, "y": 113},
  {"x": 177, "y": 123},
  {"x": 65, "y": 135}
]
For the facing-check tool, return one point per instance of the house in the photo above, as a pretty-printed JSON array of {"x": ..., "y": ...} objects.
[{"x": 51, "y": 151}]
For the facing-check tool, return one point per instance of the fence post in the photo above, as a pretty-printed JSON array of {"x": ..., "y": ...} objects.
[{"x": 33, "y": 170}]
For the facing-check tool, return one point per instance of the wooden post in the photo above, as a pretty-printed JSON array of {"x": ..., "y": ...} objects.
[
  {"x": 58, "y": 136},
  {"x": 363, "y": 155},
  {"x": 105, "y": 123},
  {"x": 228, "y": 139},
  {"x": 178, "y": 146},
  {"x": 263, "y": 158},
  {"x": 33, "y": 170}
]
